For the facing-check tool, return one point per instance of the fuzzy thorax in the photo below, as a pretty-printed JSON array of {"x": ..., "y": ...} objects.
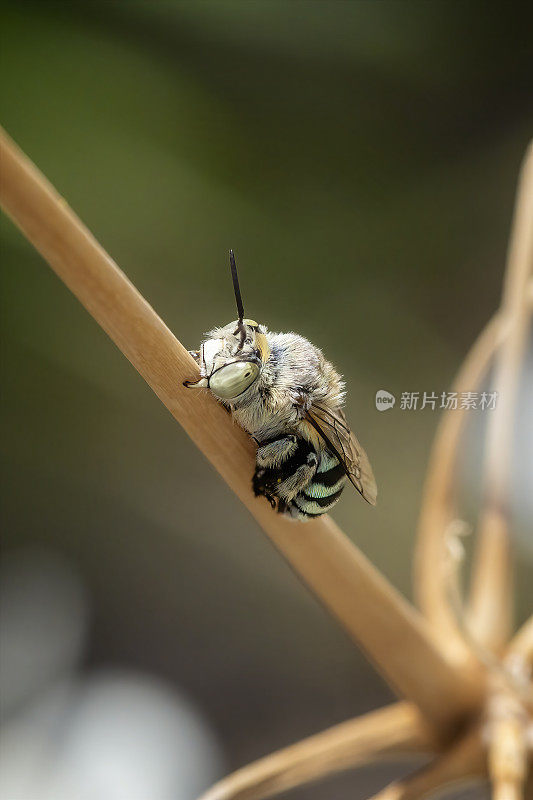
[{"x": 293, "y": 377}]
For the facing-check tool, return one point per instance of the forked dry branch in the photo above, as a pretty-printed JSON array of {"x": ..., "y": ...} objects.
[
  {"x": 427, "y": 660},
  {"x": 390, "y": 733},
  {"x": 491, "y": 611},
  {"x": 439, "y": 502},
  {"x": 463, "y": 762}
]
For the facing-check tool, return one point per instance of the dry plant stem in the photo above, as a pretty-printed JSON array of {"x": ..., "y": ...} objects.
[
  {"x": 392, "y": 633},
  {"x": 508, "y": 759},
  {"x": 506, "y": 735},
  {"x": 391, "y": 733},
  {"x": 522, "y": 643},
  {"x": 518, "y": 662},
  {"x": 431, "y": 578},
  {"x": 462, "y": 763},
  {"x": 490, "y": 617},
  {"x": 510, "y": 715},
  {"x": 438, "y": 505}
]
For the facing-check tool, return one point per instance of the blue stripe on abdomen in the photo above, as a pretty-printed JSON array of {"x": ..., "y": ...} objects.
[{"x": 324, "y": 489}]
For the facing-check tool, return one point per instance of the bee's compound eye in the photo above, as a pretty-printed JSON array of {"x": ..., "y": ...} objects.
[{"x": 233, "y": 379}]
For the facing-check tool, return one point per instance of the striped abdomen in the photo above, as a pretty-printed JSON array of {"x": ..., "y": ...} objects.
[{"x": 323, "y": 491}]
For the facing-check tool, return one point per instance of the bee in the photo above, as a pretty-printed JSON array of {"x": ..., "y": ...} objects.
[{"x": 289, "y": 398}]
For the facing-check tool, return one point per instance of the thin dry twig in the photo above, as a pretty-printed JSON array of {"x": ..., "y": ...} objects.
[
  {"x": 510, "y": 674},
  {"x": 392, "y": 733},
  {"x": 438, "y": 504},
  {"x": 507, "y": 745},
  {"x": 461, "y": 763},
  {"x": 431, "y": 578},
  {"x": 490, "y": 617},
  {"x": 392, "y": 633},
  {"x": 518, "y": 662},
  {"x": 522, "y": 643}
]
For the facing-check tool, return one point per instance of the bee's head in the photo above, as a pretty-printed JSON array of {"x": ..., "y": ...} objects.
[{"x": 231, "y": 357}]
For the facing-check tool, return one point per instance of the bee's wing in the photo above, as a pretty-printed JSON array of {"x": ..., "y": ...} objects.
[{"x": 333, "y": 428}]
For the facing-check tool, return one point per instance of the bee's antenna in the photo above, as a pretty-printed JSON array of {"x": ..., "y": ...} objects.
[
  {"x": 236, "y": 287},
  {"x": 238, "y": 299}
]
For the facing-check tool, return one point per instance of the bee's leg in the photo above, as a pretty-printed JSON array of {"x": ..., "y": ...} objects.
[
  {"x": 199, "y": 382},
  {"x": 288, "y": 489},
  {"x": 274, "y": 453},
  {"x": 262, "y": 486},
  {"x": 275, "y": 477}
]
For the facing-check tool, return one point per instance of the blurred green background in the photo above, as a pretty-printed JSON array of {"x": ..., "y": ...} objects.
[{"x": 361, "y": 158}]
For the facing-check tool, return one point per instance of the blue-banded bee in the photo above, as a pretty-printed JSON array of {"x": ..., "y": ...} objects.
[{"x": 282, "y": 391}]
